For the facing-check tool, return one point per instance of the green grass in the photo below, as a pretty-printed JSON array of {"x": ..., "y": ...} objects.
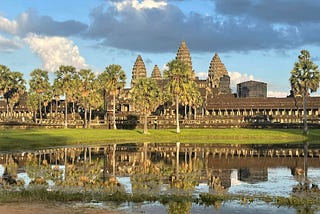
[{"x": 14, "y": 139}]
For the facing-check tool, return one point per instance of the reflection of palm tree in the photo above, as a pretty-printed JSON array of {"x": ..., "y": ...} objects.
[
  {"x": 179, "y": 207},
  {"x": 305, "y": 161}
]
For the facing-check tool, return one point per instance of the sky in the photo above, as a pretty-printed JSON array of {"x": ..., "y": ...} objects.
[{"x": 255, "y": 39}]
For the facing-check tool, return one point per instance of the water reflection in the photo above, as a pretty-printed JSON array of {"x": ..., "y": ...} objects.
[{"x": 169, "y": 169}]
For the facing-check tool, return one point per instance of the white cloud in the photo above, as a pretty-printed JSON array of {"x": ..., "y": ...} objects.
[
  {"x": 9, "y": 45},
  {"x": 146, "y": 4},
  {"x": 202, "y": 75},
  {"x": 236, "y": 77},
  {"x": 55, "y": 51},
  {"x": 8, "y": 26},
  {"x": 277, "y": 94}
]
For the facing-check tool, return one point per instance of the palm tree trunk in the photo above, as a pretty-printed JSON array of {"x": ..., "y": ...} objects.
[
  {"x": 51, "y": 111},
  {"x": 145, "y": 125},
  {"x": 35, "y": 116},
  {"x": 66, "y": 111},
  {"x": 104, "y": 100},
  {"x": 114, "y": 112},
  {"x": 90, "y": 113},
  {"x": 40, "y": 112},
  {"x": 7, "y": 108},
  {"x": 45, "y": 109},
  {"x": 73, "y": 111},
  {"x": 305, "y": 124},
  {"x": 85, "y": 118},
  {"x": 177, "y": 114},
  {"x": 56, "y": 108}
]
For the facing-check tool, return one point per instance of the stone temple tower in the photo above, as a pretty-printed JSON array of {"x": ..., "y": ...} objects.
[
  {"x": 156, "y": 74},
  {"x": 218, "y": 78},
  {"x": 138, "y": 70},
  {"x": 183, "y": 55}
]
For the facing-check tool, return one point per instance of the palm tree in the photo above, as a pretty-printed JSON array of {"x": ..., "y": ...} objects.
[
  {"x": 63, "y": 84},
  {"x": 112, "y": 80},
  {"x": 87, "y": 79},
  {"x": 4, "y": 72},
  {"x": 14, "y": 88},
  {"x": 146, "y": 97},
  {"x": 47, "y": 98},
  {"x": 4, "y": 78},
  {"x": 179, "y": 78},
  {"x": 95, "y": 99},
  {"x": 194, "y": 98},
  {"x": 39, "y": 83},
  {"x": 304, "y": 78},
  {"x": 74, "y": 92},
  {"x": 33, "y": 103}
]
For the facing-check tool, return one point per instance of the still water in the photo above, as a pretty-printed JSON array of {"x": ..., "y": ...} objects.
[{"x": 247, "y": 172}]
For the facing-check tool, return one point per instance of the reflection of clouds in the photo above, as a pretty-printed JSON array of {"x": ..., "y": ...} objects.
[
  {"x": 125, "y": 181},
  {"x": 201, "y": 188},
  {"x": 234, "y": 178},
  {"x": 24, "y": 176}
]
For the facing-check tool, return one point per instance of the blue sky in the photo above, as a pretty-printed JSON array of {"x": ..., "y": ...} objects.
[{"x": 255, "y": 39}]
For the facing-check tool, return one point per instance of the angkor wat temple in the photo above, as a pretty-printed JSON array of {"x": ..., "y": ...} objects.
[{"x": 250, "y": 106}]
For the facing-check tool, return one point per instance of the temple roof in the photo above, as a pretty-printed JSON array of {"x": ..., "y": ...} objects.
[{"x": 260, "y": 103}]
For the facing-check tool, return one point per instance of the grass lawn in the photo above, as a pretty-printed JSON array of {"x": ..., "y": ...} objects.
[{"x": 13, "y": 139}]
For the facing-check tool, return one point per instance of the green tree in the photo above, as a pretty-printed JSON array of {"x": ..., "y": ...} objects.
[
  {"x": 191, "y": 99},
  {"x": 39, "y": 83},
  {"x": 4, "y": 76},
  {"x": 4, "y": 73},
  {"x": 74, "y": 92},
  {"x": 86, "y": 88},
  {"x": 56, "y": 95},
  {"x": 179, "y": 78},
  {"x": 63, "y": 84},
  {"x": 146, "y": 97},
  {"x": 33, "y": 103},
  {"x": 112, "y": 80},
  {"x": 304, "y": 78},
  {"x": 14, "y": 88},
  {"x": 47, "y": 99},
  {"x": 95, "y": 99},
  {"x": 195, "y": 99}
]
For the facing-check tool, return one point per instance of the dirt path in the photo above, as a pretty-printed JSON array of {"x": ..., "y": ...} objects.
[{"x": 51, "y": 208}]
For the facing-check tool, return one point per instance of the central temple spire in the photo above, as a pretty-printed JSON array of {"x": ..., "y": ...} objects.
[
  {"x": 138, "y": 71},
  {"x": 183, "y": 55}
]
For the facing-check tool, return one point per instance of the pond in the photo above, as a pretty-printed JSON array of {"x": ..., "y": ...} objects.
[{"x": 168, "y": 178}]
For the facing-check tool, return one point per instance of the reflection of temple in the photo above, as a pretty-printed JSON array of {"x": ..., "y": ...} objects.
[
  {"x": 162, "y": 167},
  {"x": 253, "y": 175}
]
